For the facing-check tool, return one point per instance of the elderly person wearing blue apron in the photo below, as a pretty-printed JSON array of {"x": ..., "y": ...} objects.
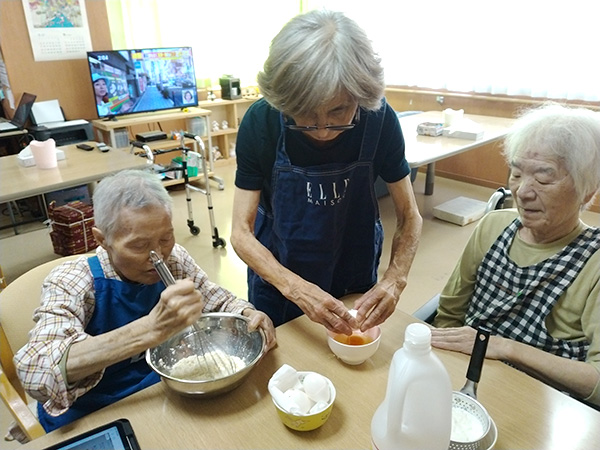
[
  {"x": 532, "y": 274},
  {"x": 100, "y": 313},
  {"x": 305, "y": 215}
]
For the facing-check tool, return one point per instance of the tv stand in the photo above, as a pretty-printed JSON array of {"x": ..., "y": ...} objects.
[{"x": 118, "y": 133}]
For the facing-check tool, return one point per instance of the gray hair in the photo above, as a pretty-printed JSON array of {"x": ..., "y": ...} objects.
[
  {"x": 317, "y": 56},
  {"x": 131, "y": 189},
  {"x": 569, "y": 134}
]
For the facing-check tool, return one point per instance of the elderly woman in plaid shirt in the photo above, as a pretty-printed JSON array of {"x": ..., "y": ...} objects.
[
  {"x": 98, "y": 315},
  {"x": 532, "y": 274}
]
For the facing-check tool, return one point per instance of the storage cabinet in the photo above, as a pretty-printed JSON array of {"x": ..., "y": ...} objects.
[{"x": 119, "y": 132}]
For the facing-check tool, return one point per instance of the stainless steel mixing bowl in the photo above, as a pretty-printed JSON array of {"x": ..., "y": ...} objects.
[{"x": 225, "y": 332}]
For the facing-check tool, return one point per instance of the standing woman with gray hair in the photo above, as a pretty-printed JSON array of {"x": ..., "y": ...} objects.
[
  {"x": 532, "y": 274},
  {"x": 305, "y": 214}
]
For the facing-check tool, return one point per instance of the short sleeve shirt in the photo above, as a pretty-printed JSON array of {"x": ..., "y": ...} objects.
[{"x": 260, "y": 131}]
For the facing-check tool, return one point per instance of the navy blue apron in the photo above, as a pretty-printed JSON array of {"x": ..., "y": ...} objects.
[
  {"x": 325, "y": 226},
  {"x": 117, "y": 303}
]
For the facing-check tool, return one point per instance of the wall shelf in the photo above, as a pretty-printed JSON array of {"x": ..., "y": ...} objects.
[{"x": 232, "y": 111}]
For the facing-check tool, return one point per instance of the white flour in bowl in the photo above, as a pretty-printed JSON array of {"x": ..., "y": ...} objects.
[{"x": 211, "y": 365}]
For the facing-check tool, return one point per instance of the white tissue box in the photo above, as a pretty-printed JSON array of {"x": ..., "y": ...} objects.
[
  {"x": 26, "y": 160},
  {"x": 460, "y": 211},
  {"x": 464, "y": 129}
]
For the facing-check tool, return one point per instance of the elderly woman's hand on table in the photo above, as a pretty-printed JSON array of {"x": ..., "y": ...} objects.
[
  {"x": 462, "y": 339},
  {"x": 575, "y": 377}
]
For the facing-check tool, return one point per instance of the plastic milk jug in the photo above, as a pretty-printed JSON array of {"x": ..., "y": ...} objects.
[{"x": 416, "y": 412}]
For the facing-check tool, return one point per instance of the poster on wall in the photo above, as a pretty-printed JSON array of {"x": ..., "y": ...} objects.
[
  {"x": 5, "y": 92},
  {"x": 58, "y": 29}
]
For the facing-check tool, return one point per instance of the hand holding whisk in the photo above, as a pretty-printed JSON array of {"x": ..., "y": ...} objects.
[{"x": 219, "y": 359}]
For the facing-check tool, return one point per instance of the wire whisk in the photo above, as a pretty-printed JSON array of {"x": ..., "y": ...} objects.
[{"x": 222, "y": 364}]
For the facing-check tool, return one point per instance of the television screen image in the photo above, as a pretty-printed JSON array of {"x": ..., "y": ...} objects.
[{"x": 144, "y": 80}]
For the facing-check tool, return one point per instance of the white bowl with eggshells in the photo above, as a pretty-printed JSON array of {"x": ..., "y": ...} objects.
[{"x": 356, "y": 348}]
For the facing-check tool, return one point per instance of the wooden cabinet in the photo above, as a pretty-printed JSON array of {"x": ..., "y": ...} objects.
[
  {"x": 119, "y": 132},
  {"x": 232, "y": 112}
]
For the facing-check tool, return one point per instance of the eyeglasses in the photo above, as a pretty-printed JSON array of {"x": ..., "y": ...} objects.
[{"x": 310, "y": 128}]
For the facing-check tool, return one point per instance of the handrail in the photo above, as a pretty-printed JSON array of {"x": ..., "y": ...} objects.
[{"x": 491, "y": 97}]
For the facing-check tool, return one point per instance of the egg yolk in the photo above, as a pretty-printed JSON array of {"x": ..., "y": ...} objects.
[{"x": 353, "y": 339}]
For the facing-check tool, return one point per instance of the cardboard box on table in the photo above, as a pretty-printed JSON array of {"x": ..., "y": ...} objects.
[{"x": 72, "y": 228}]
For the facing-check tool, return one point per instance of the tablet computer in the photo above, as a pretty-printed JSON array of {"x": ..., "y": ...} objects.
[{"x": 117, "y": 435}]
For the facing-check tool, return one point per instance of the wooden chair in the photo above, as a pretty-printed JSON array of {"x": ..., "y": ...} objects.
[{"x": 17, "y": 303}]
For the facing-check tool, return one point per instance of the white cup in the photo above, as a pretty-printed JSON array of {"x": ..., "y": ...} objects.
[
  {"x": 452, "y": 117},
  {"x": 44, "y": 153}
]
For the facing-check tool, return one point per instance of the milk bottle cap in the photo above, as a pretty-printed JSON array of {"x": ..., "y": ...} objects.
[{"x": 417, "y": 337}]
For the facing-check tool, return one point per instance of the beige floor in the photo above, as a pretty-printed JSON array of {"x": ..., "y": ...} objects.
[{"x": 441, "y": 243}]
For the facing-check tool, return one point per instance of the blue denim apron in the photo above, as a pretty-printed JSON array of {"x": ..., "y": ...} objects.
[
  {"x": 325, "y": 226},
  {"x": 117, "y": 303}
]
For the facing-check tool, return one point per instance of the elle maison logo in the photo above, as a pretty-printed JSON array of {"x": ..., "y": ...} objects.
[{"x": 320, "y": 194}]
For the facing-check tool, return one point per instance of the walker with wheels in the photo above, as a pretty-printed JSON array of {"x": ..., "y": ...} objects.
[{"x": 150, "y": 154}]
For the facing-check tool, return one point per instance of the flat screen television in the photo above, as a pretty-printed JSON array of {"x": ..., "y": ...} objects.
[{"x": 142, "y": 80}]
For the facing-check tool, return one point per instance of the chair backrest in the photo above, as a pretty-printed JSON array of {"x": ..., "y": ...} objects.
[
  {"x": 497, "y": 199},
  {"x": 428, "y": 311},
  {"x": 17, "y": 303},
  {"x": 20, "y": 298}
]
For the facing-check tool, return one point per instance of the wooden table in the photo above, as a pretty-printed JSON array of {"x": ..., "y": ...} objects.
[
  {"x": 79, "y": 167},
  {"x": 421, "y": 150},
  {"x": 528, "y": 413}
]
